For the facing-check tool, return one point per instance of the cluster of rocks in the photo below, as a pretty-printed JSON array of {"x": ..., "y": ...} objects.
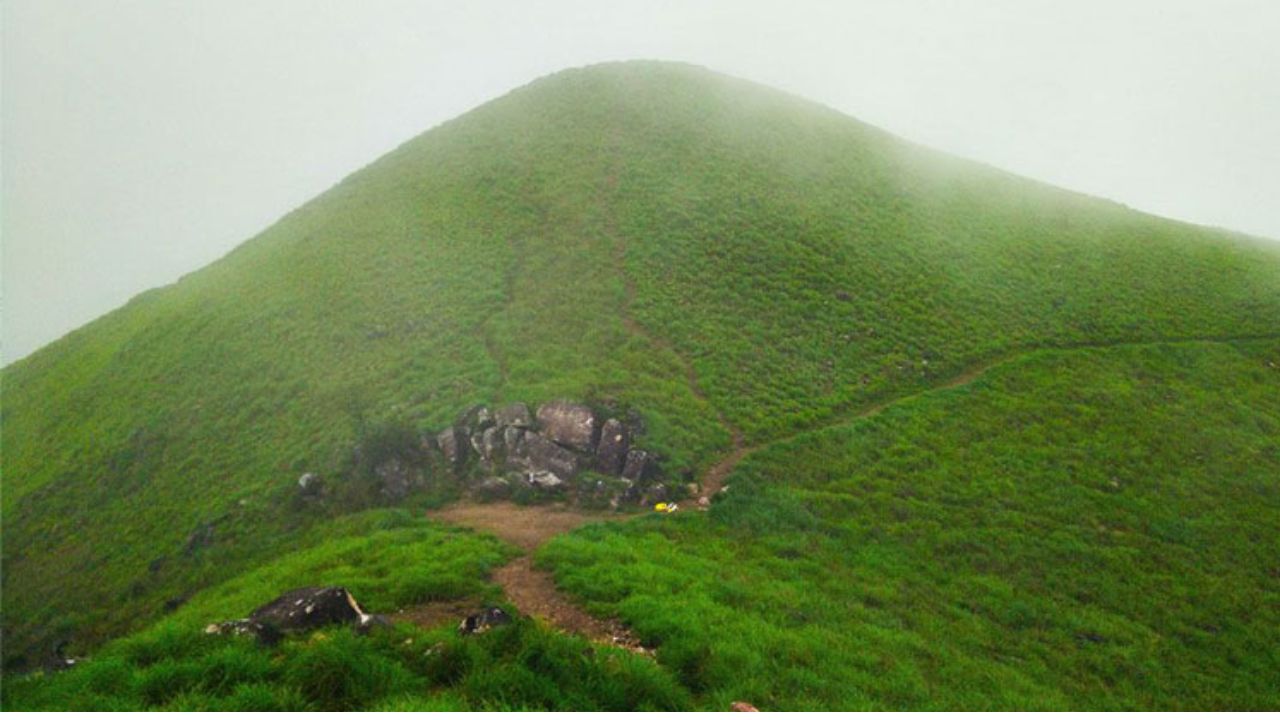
[
  {"x": 513, "y": 448},
  {"x": 513, "y": 452},
  {"x": 310, "y": 608}
]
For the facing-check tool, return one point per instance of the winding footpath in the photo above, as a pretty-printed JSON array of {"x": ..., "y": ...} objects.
[{"x": 533, "y": 591}]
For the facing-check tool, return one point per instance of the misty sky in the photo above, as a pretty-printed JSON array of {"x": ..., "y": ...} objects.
[{"x": 142, "y": 140}]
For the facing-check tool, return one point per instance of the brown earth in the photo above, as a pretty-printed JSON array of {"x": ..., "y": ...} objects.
[{"x": 532, "y": 591}]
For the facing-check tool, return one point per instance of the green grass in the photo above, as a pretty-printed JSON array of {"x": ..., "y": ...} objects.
[
  {"x": 1093, "y": 529},
  {"x": 714, "y": 255},
  {"x": 174, "y": 665}
]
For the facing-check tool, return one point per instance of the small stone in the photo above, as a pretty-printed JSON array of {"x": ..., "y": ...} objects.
[
  {"x": 493, "y": 442},
  {"x": 483, "y": 621},
  {"x": 310, "y": 485}
]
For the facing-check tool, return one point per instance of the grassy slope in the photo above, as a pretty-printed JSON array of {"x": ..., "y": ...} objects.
[
  {"x": 1093, "y": 529},
  {"x": 397, "y": 561},
  {"x": 595, "y": 235}
]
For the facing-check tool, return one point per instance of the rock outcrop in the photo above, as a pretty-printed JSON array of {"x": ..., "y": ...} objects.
[{"x": 512, "y": 451}]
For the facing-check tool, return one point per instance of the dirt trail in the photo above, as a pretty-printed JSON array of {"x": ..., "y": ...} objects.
[
  {"x": 532, "y": 591},
  {"x": 712, "y": 480},
  {"x": 525, "y": 526}
]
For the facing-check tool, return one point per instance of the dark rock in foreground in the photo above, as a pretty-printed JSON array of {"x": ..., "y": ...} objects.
[
  {"x": 309, "y": 608},
  {"x": 484, "y": 621},
  {"x": 300, "y": 610}
]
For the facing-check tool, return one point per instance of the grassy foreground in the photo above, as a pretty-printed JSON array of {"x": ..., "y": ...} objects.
[{"x": 175, "y": 666}]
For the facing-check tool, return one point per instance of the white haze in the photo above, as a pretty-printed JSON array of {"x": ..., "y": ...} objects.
[{"x": 142, "y": 140}]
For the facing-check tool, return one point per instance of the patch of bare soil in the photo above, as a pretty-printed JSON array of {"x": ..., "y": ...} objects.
[
  {"x": 532, "y": 591},
  {"x": 713, "y": 479},
  {"x": 435, "y": 614},
  {"x": 525, "y": 526}
]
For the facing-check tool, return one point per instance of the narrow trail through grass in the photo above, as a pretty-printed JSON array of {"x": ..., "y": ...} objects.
[
  {"x": 712, "y": 480},
  {"x": 531, "y": 590},
  {"x": 605, "y": 198}
]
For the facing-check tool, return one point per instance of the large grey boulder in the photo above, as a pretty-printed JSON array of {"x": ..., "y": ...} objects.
[
  {"x": 515, "y": 415},
  {"x": 611, "y": 452},
  {"x": 453, "y": 445},
  {"x": 542, "y": 454},
  {"x": 569, "y": 424}
]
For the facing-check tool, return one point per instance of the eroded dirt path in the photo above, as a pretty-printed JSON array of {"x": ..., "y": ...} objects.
[{"x": 532, "y": 591}]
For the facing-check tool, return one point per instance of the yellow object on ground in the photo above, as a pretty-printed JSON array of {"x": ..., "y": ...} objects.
[{"x": 660, "y": 507}]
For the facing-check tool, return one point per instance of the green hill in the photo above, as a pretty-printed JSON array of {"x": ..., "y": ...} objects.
[{"x": 739, "y": 268}]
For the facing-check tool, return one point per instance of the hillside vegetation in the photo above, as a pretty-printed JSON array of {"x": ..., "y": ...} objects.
[{"x": 739, "y": 268}]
